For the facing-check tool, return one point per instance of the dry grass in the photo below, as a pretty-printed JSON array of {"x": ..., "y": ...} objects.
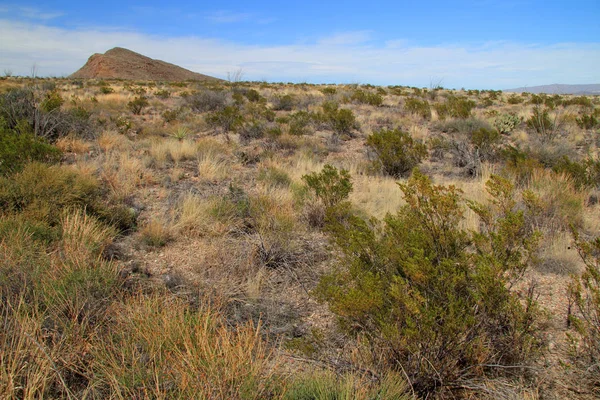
[
  {"x": 171, "y": 150},
  {"x": 123, "y": 173},
  {"x": 113, "y": 141},
  {"x": 159, "y": 339},
  {"x": 83, "y": 237},
  {"x": 72, "y": 144}
]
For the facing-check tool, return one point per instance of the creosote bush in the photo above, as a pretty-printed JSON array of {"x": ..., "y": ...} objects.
[
  {"x": 418, "y": 107},
  {"x": 432, "y": 299},
  {"x": 137, "y": 105},
  {"x": 331, "y": 185},
  {"x": 584, "y": 310},
  {"x": 397, "y": 153}
]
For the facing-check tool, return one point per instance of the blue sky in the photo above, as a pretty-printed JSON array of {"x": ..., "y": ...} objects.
[{"x": 472, "y": 44}]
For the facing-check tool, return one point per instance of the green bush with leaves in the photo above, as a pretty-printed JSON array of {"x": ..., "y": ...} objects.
[
  {"x": 456, "y": 107},
  {"x": 397, "y": 153},
  {"x": 585, "y": 174},
  {"x": 300, "y": 123},
  {"x": 364, "y": 97},
  {"x": 434, "y": 300},
  {"x": 228, "y": 119},
  {"x": 341, "y": 121},
  {"x": 138, "y": 104},
  {"x": 331, "y": 185},
  {"x": 20, "y": 146},
  {"x": 40, "y": 193},
  {"x": 506, "y": 123},
  {"x": 588, "y": 121},
  {"x": 541, "y": 123},
  {"x": 584, "y": 310},
  {"x": 418, "y": 107}
]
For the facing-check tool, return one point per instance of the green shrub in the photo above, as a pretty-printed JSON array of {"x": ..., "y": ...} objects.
[
  {"x": 19, "y": 148},
  {"x": 515, "y": 99},
  {"x": 520, "y": 163},
  {"x": 228, "y": 119},
  {"x": 364, "y": 97},
  {"x": 284, "y": 103},
  {"x": 40, "y": 193},
  {"x": 106, "y": 90},
  {"x": 163, "y": 94},
  {"x": 456, "y": 107},
  {"x": 418, "y": 107},
  {"x": 541, "y": 123},
  {"x": 138, "y": 104},
  {"x": 486, "y": 142},
  {"x": 588, "y": 121},
  {"x": 253, "y": 130},
  {"x": 52, "y": 101},
  {"x": 433, "y": 300},
  {"x": 253, "y": 96},
  {"x": 341, "y": 121},
  {"x": 331, "y": 185},
  {"x": 506, "y": 123},
  {"x": 396, "y": 152},
  {"x": 585, "y": 174},
  {"x": 206, "y": 100},
  {"x": 584, "y": 310},
  {"x": 300, "y": 123}
]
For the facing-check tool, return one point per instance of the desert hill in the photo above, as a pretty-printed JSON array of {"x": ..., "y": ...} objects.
[
  {"x": 120, "y": 63},
  {"x": 556, "y": 88}
]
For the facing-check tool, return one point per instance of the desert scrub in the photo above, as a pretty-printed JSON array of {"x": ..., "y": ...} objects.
[
  {"x": 39, "y": 193},
  {"x": 396, "y": 152},
  {"x": 20, "y": 146},
  {"x": 137, "y": 105},
  {"x": 340, "y": 121},
  {"x": 207, "y": 100},
  {"x": 331, "y": 186},
  {"x": 584, "y": 311},
  {"x": 418, "y": 107},
  {"x": 455, "y": 106},
  {"x": 228, "y": 119},
  {"x": 365, "y": 97},
  {"x": 434, "y": 301}
]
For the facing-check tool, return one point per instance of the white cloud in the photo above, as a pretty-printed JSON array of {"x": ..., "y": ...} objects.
[{"x": 349, "y": 57}]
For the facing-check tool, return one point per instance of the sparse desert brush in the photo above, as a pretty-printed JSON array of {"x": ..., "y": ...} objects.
[
  {"x": 418, "y": 107},
  {"x": 584, "y": 312},
  {"x": 396, "y": 153}
]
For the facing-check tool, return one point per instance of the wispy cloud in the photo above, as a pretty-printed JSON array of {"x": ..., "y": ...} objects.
[
  {"x": 228, "y": 17},
  {"x": 346, "y": 38},
  {"x": 37, "y": 14},
  {"x": 350, "y": 57}
]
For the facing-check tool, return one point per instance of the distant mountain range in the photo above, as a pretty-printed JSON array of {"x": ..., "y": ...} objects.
[{"x": 559, "y": 89}]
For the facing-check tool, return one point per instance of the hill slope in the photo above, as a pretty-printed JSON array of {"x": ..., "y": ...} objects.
[
  {"x": 559, "y": 89},
  {"x": 119, "y": 63}
]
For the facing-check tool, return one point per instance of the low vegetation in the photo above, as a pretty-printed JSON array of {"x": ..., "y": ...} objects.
[{"x": 275, "y": 241}]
